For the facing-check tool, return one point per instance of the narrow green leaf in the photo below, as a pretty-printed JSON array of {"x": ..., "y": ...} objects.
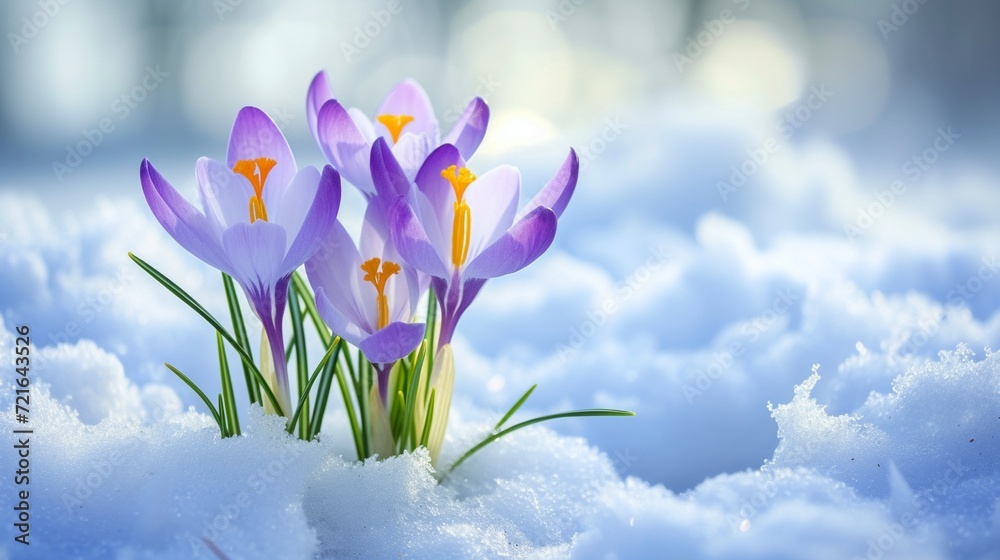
[
  {"x": 310, "y": 304},
  {"x": 240, "y": 333},
  {"x": 199, "y": 309},
  {"x": 424, "y": 437},
  {"x": 223, "y": 415},
  {"x": 200, "y": 393},
  {"x": 233, "y": 420},
  {"x": 411, "y": 397},
  {"x": 301, "y": 362},
  {"x": 516, "y": 406},
  {"x": 304, "y": 393},
  {"x": 575, "y": 413}
]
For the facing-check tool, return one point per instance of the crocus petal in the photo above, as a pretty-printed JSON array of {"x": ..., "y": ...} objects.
[
  {"x": 436, "y": 188},
  {"x": 411, "y": 151},
  {"x": 190, "y": 228},
  {"x": 225, "y": 195},
  {"x": 468, "y": 132},
  {"x": 339, "y": 323},
  {"x": 344, "y": 146},
  {"x": 411, "y": 240},
  {"x": 492, "y": 199},
  {"x": 255, "y": 251},
  {"x": 319, "y": 93},
  {"x": 517, "y": 248},
  {"x": 408, "y": 98},
  {"x": 556, "y": 193},
  {"x": 317, "y": 223},
  {"x": 255, "y": 136},
  {"x": 392, "y": 343},
  {"x": 390, "y": 180},
  {"x": 334, "y": 268}
]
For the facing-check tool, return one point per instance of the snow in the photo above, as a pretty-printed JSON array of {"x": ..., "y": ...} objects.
[{"x": 657, "y": 296}]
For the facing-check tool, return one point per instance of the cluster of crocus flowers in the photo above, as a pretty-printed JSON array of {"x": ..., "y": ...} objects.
[{"x": 432, "y": 222}]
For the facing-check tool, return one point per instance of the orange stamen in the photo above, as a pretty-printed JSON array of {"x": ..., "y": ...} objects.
[
  {"x": 395, "y": 124},
  {"x": 461, "y": 230},
  {"x": 379, "y": 279},
  {"x": 256, "y": 171}
]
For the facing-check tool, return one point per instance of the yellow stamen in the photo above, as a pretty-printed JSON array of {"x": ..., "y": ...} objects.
[
  {"x": 256, "y": 170},
  {"x": 378, "y": 279},
  {"x": 395, "y": 124},
  {"x": 461, "y": 229}
]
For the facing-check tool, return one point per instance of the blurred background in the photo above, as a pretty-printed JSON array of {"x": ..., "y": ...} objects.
[{"x": 735, "y": 157}]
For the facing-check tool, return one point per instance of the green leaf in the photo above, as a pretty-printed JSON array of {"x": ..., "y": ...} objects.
[
  {"x": 310, "y": 304},
  {"x": 197, "y": 307},
  {"x": 424, "y": 437},
  {"x": 575, "y": 413},
  {"x": 304, "y": 393},
  {"x": 233, "y": 420},
  {"x": 240, "y": 332},
  {"x": 516, "y": 406},
  {"x": 411, "y": 398},
  {"x": 301, "y": 365},
  {"x": 200, "y": 393}
]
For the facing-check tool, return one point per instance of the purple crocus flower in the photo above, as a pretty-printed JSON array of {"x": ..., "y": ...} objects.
[
  {"x": 405, "y": 118},
  {"x": 462, "y": 229},
  {"x": 262, "y": 218},
  {"x": 366, "y": 293}
]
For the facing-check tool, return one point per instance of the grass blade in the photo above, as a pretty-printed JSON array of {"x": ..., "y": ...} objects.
[
  {"x": 301, "y": 365},
  {"x": 575, "y": 413},
  {"x": 232, "y": 417},
  {"x": 516, "y": 406},
  {"x": 200, "y": 310},
  {"x": 240, "y": 333},
  {"x": 304, "y": 393},
  {"x": 200, "y": 393}
]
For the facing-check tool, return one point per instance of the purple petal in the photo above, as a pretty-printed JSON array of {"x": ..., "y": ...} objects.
[
  {"x": 390, "y": 180},
  {"x": 317, "y": 223},
  {"x": 411, "y": 151},
  {"x": 468, "y": 132},
  {"x": 256, "y": 251},
  {"x": 344, "y": 146},
  {"x": 190, "y": 228},
  {"x": 411, "y": 240},
  {"x": 319, "y": 93},
  {"x": 337, "y": 321},
  {"x": 392, "y": 343},
  {"x": 517, "y": 248},
  {"x": 493, "y": 199},
  {"x": 334, "y": 268},
  {"x": 225, "y": 195},
  {"x": 556, "y": 193},
  {"x": 255, "y": 136},
  {"x": 436, "y": 188},
  {"x": 408, "y": 98}
]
